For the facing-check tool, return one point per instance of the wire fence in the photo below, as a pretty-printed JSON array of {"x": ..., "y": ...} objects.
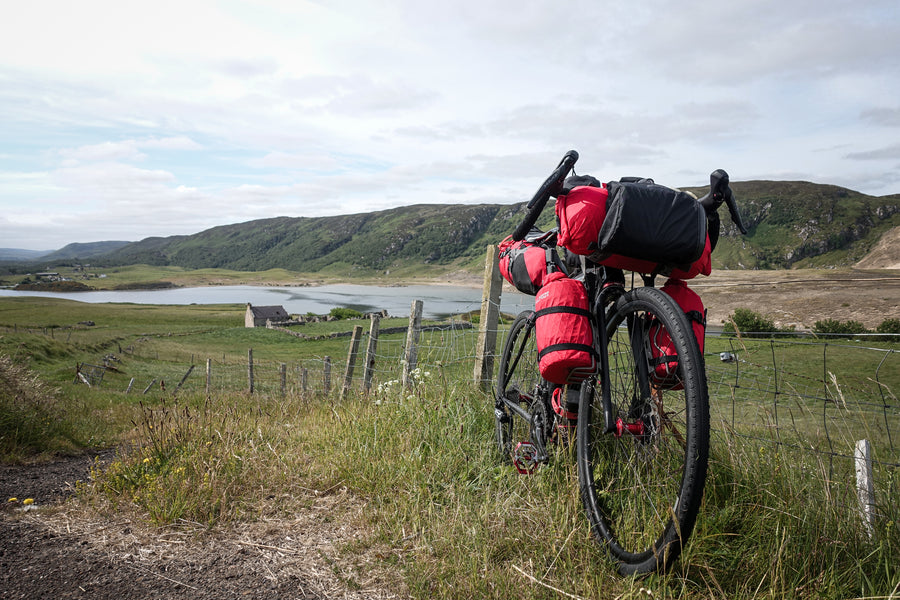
[
  {"x": 814, "y": 404},
  {"x": 809, "y": 400},
  {"x": 443, "y": 351},
  {"x": 818, "y": 396}
]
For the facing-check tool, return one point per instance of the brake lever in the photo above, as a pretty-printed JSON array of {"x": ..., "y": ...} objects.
[
  {"x": 733, "y": 209},
  {"x": 720, "y": 192}
]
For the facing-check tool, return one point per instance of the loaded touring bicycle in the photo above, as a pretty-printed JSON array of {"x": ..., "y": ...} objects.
[{"x": 622, "y": 367}]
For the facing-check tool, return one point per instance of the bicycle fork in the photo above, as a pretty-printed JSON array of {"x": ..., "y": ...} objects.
[
  {"x": 609, "y": 420},
  {"x": 637, "y": 425}
]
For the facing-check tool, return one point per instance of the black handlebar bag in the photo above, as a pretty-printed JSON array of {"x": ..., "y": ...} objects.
[{"x": 652, "y": 222}]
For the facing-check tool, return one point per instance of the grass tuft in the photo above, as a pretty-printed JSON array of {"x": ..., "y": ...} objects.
[{"x": 33, "y": 417}]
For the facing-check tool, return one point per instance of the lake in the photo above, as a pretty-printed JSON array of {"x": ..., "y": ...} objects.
[{"x": 438, "y": 300}]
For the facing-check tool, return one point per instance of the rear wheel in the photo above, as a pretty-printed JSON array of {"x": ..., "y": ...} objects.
[{"x": 642, "y": 484}]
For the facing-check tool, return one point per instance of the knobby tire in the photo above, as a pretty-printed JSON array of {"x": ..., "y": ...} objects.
[{"x": 642, "y": 488}]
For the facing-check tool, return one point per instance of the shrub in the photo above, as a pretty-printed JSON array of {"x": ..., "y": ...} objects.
[
  {"x": 345, "y": 313},
  {"x": 839, "y": 328},
  {"x": 750, "y": 323},
  {"x": 891, "y": 330},
  {"x": 889, "y": 326}
]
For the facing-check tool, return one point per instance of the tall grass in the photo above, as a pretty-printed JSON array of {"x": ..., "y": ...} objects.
[
  {"x": 33, "y": 420},
  {"x": 445, "y": 508},
  {"x": 209, "y": 462}
]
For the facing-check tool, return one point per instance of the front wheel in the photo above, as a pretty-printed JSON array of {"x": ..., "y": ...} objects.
[
  {"x": 642, "y": 484},
  {"x": 520, "y": 406}
]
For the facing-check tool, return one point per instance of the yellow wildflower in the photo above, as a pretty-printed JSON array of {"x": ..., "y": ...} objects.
[
  {"x": 13, "y": 500},
  {"x": 28, "y": 501}
]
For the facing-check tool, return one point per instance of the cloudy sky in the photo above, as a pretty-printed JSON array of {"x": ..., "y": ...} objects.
[{"x": 121, "y": 120}]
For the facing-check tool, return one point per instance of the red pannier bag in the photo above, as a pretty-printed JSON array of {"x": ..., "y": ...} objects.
[
  {"x": 581, "y": 214},
  {"x": 663, "y": 357},
  {"x": 563, "y": 331},
  {"x": 526, "y": 264}
]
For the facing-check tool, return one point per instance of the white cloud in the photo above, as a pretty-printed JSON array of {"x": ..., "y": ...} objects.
[
  {"x": 104, "y": 151},
  {"x": 196, "y": 114},
  {"x": 179, "y": 142}
]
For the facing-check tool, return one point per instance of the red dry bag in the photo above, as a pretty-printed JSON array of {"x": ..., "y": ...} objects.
[
  {"x": 526, "y": 264},
  {"x": 563, "y": 331},
  {"x": 664, "y": 357}
]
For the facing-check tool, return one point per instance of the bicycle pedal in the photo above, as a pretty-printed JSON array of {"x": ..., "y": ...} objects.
[{"x": 525, "y": 458}]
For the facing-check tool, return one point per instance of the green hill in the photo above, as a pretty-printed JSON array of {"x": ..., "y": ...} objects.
[
  {"x": 801, "y": 224},
  {"x": 791, "y": 224}
]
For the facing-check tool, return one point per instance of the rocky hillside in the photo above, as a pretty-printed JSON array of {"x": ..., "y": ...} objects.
[{"x": 885, "y": 254}]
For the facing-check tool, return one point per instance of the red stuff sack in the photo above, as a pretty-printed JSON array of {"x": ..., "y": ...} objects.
[
  {"x": 663, "y": 356},
  {"x": 563, "y": 331},
  {"x": 580, "y": 214},
  {"x": 526, "y": 264}
]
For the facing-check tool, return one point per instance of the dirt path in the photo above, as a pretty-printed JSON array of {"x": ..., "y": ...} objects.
[{"x": 57, "y": 548}]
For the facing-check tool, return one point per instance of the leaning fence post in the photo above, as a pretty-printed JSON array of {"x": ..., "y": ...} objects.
[
  {"x": 351, "y": 360},
  {"x": 370, "y": 352},
  {"x": 183, "y": 379},
  {"x": 412, "y": 341},
  {"x": 490, "y": 317},
  {"x": 865, "y": 486},
  {"x": 250, "y": 368}
]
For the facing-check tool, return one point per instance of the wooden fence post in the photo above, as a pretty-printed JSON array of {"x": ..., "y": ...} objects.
[
  {"x": 250, "y": 368},
  {"x": 490, "y": 318},
  {"x": 149, "y": 385},
  {"x": 183, "y": 379},
  {"x": 374, "y": 326},
  {"x": 865, "y": 486},
  {"x": 327, "y": 374},
  {"x": 208, "y": 374},
  {"x": 412, "y": 342},
  {"x": 304, "y": 380},
  {"x": 283, "y": 373},
  {"x": 351, "y": 360}
]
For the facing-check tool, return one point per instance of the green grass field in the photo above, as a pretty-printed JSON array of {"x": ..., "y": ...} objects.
[{"x": 778, "y": 521}]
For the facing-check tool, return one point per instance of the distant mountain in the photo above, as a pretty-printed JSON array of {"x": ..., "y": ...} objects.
[
  {"x": 791, "y": 224},
  {"x": 19, "y": 255},
  {"x": 70, "y": 252},
  {"x": 83, "y": 251}
]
